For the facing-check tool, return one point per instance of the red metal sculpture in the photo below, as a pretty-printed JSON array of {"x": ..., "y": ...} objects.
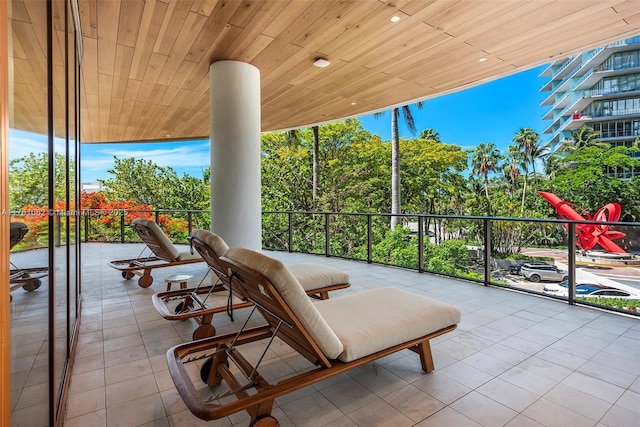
[{"x": 590, "y": 235}]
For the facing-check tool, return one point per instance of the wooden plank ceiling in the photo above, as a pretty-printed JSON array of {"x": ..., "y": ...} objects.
[{"x": 145, "y": 73}]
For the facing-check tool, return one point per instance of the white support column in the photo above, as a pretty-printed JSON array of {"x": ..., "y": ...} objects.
[{"x": 235, "y": 153}]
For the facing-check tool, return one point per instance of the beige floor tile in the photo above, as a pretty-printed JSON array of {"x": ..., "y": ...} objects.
[
  {"x": 551, "y": 414},
  {"x": 448, "y": 417},
  {"x": 593, "y": 386},
  {"x": 92, "y": 419},
  {"x": 522, "y": 421},
  {"x": 136, "y": 412},
  {"x": 124, "y": 355},
  {"x": 127, "y": 371},
  {"x": 466, "y": 374},
  {"x": 528, "y": 380},
  {"x": 349, "y": 395},
  {"x": 129, "y": 390},
  {"x": 86, "y": 381},
  {"x": 414, "y": 403},
  {"x": 577, "y": 401},
  {"x": 312, "y": 410},
  {"x": 508, "y": 394},
  {"x": 86, "y": 402},
  {"x": 618, "y": 416},
  {"x": 483, "y": 410},
  {"x": 32, "y": 416},
  {"x": 631, "y": 401},
  {"x": 379, "y": 380},
  {"x": 380, "y": 414},
  {"x": 442, "y": 387}
]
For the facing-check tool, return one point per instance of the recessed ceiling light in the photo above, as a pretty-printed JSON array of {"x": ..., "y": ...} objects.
[
  {"x": 482, "y": 59},
  {"x": 353, "y": 103},
  {"x": 321, "y": 62},
  {"x": 395, "y": 18}
]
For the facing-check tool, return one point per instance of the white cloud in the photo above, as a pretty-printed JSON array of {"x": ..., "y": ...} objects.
[
  {"x": 177, "y": 156},
  {"x": 22, "y": 144},
  {"x": 184, "y": 157}
]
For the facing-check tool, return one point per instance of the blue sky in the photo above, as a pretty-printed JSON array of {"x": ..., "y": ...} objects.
[{"x": 492, "y": 112}]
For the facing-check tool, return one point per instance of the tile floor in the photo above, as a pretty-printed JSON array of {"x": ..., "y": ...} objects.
[{"x": 515, "y": 360}]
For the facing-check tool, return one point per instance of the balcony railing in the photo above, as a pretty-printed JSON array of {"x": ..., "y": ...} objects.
[
  {"x": 615, "y": 113},
  {"x": 487, "y": 250}
]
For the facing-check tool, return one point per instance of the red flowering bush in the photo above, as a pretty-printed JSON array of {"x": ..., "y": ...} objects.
[{"x": 100, "y": 219}]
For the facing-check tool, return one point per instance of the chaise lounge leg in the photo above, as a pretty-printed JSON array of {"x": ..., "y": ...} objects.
[
  {"x": 426, "y": 358},
  {"x": 261, "y": 415},
  {"x": 219, "y": 361}
]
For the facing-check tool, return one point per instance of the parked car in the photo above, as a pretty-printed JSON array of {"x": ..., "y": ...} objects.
[
  {"x": 515, "y": 268},
  {"x": 603, "y": 291},
  {"x": 561, "y": 289},
  {"x": 538, "y": 272}
]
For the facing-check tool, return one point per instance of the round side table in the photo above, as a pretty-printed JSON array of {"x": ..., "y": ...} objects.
[{"x": 177, "y": 278}]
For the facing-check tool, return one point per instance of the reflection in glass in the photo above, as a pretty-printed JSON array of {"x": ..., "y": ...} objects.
[
  {"x": 43, "y": 199},
  {"x": 28, "y": 198}
]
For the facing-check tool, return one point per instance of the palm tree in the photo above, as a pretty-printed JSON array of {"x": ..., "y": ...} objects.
[
  {"x": 511, "y": 169},
  {"x": 485, "y": 159},
  {"x": 529, "y": 144},
  {"x": 395, "y": 155},
  {"x": 584, "y": 136},
  {"x": 430, "y": 133}
]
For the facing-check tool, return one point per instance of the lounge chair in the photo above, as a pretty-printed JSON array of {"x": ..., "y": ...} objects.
[
  {"x": 25, "y": 278},
  {"x": 204, "y": 301},
  {"x": 334, "y": 335},
  {"x": 159, "y": 252}
]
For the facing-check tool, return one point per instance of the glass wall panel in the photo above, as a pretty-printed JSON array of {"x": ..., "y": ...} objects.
[
  {"x": 60, "y": 197},
  {"x": 43, "y": 151},
  {"x": 28, "y": 195}
]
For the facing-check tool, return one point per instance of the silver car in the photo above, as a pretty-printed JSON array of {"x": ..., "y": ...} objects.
[{"x": 538, "y": 272}]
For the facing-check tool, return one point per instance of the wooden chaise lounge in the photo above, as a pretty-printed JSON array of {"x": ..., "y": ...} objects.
[
  {"x": 25, "y": 278},
  {"x": 334, "y": 335},
  {"x": 159, "y": 252},
  {"x": 202, "y": 302}
]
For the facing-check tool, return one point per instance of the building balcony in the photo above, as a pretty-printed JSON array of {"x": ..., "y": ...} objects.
[
  {"x": 517, "y": 357},
  {"x": 514, "y": 358},
  {"x": 621, "y": 113}
]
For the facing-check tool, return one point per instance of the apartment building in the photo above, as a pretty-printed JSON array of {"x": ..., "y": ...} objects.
[{"x": 599, "y": 88}]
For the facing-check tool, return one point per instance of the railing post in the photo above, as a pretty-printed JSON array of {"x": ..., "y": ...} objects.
[
  {"x": 487, "y": 251},
  {"x": 571, "y": 255},
  {"x": 420, "y": 244},
  {"x": 157, "y": 216},
  {"x": 327, "y": 236},
  {"x": 122, "y": 227},
  {"x": 59, "y": 229},
  {"x": 190, "y": 222},
  {"x": 290, "y": 243},
  {"x": 86, "y": 226},
  {"x": 369, "y": 239}
]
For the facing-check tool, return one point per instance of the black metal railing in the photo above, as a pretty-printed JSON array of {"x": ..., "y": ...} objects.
[{"x": 486, "y": 250}]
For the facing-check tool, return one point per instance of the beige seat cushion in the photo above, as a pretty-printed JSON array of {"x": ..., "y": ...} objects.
[
  {"x": 310, "y": 276},
  {"x": 212, "y": 240},
  {"x": 292, "y": 293},
  {"x": 159, "y": 235},
  {"x": 371, "y": 321},
  {"x": 314, "y": 276}
]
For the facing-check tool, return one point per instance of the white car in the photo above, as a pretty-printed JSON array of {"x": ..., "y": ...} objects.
[
  {"x": 587, "y": 290},
  {"x": 546, "y": 272},
  {"x": 559, "y": 289}
]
